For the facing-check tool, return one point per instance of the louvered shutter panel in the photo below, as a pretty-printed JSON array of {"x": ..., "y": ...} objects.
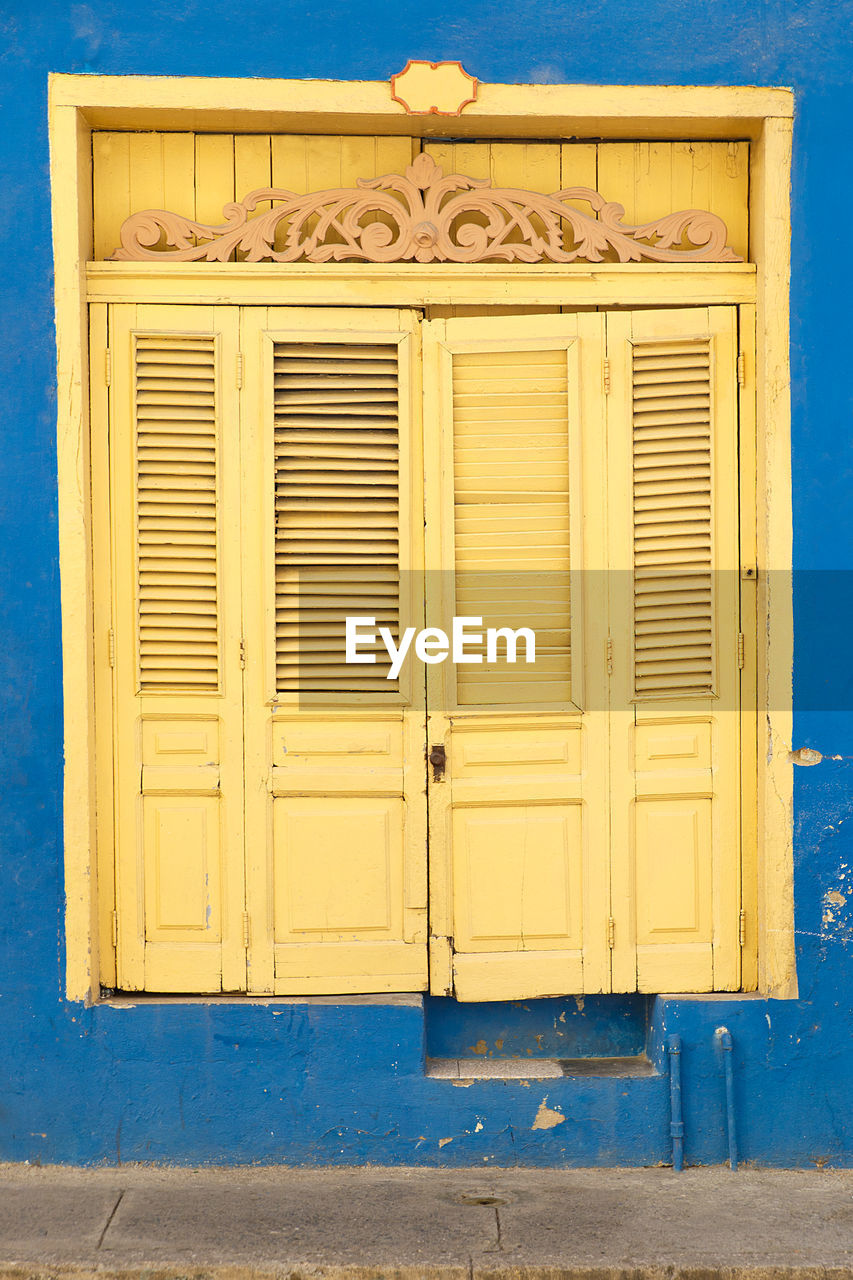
[
  {"x": 337, "y": 510},
  {"x": 176, "y": 493},
  {"x": 175, "y": 614},
  {"x": 674, "y": 690},
  {"x": 511, "y": 515},
  {"x": 673, "y": 528}
]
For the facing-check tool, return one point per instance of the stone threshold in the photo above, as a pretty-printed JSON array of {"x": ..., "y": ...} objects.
[{"x": 536, "y": 1068}]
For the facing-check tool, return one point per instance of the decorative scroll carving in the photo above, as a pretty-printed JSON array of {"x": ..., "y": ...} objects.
[
  {"x": 428, "y": 218},
  {"x": 433, "y": 88}
]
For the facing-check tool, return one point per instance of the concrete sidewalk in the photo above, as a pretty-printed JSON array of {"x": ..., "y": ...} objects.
[{"x": 408, "y": 1223}]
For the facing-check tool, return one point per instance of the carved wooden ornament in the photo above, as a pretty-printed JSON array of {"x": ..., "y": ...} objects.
[
  {"x": 428, "y": 218},
  {"x": 433, "y": 88}
]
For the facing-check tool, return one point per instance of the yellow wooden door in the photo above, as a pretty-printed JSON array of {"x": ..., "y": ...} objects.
[
  {"x": 676, "y": 649},
  {"x": 581, "y": 480},
  {"x": 175, "y": 622},
  {"x": 516, "y": 536},
  {"x": 333, "y": 527}
]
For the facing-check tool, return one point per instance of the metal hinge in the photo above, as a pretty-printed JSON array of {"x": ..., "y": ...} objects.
[
  {"x": 245, "y": 928},
  {"x": 115, "y": 928},
  {"x": 243, "y": 652},
  {"x": 111, "y": 642},
  {"x": 741, "y": 929},
  {"x": 607, "y": 377},
  {"x": 239, "y": 370},
  {"x": 741, "y": 370},
  {"x": 108, "y": 367},
  {"x": 608, "y": 654},
  {"x": 740, "y": 650},
  {"x": 611, "y": 932}
]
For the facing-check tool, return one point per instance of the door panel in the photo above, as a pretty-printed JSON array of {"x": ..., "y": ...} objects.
[
  {"x": 176, "y": 617},
  {"x": 518, "y": 823},
  {"x": 335, "y": 804},
  {"x": 675, "y": 731}
]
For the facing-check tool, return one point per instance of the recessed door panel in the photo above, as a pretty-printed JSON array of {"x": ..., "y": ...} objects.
[
  {"x": 517, "y": 877},
  {"x": 338, "y": 868}
]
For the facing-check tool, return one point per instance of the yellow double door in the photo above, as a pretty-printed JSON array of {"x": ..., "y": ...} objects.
[{"x": 286, "y": 816}]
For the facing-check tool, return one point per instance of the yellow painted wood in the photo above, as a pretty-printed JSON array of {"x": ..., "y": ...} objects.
[
  {"x": 517, "y": 976},
  {"x": 771, "y": 221},
  {"x": 335, "y": 806},
  {"x": 730, "y": 191},
  {"x": 178, "y": 703},
  {"x": 304, "y": 163},
  {"x": 178, "y": 170},
  {"x": 578, "y": 168},
  {"x": 654, "y": 178},
  {"x": 442, "y": 284},
  {"x": 214, "y": 175},
  {"x": 146, "y": 171},
  {"x": 136, "y": 102},
  {"x": 650, "y": 178},
  {"x": 111, "y": 188},
  {"x": 102, "y": 644},
  {"x": 252, "y": 163},
  {"x": 72, "y": 232},
  {"x": 749, "y": 623},
  {"x": 500, "y": 816},
  {"x": 300, "y": 106},
  {"x": 675, "y": 810}
]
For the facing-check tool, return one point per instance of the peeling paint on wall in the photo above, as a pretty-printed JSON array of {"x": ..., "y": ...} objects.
[{"x": 547, "y": 1117}]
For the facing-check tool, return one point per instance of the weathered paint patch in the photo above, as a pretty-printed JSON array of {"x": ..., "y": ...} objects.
[{"x": 547, "y": 1117}]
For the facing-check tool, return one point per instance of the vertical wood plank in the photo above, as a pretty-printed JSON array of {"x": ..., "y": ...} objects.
[
  {"x": 474, "y": 159},
  {"x": 146, "y": 171},
  {"x": 289, "y": 162},
  {"x": 691, "y": 175},
  {"x": 617, "y": 175},
  {"x": 323, "y": 162},
  {"x": 102, "y": 610},
  {"x": 652, "y": 180},
  {"x": 252, "y": 163},
  {"x": 533, "y": 166},
  {"x": 289, "y": 170},
  {"x": 214, "y": 175},
  {"x": 578, "y": 168},
  {"x": 444, "y": 155},
  {"x": 730, "y": 190},
  {"x": 749, "y": 674},
  {"x": 394, "y": 155},
  {"x": 111, "y": 183},
  {"x": 179, "y": 172}
]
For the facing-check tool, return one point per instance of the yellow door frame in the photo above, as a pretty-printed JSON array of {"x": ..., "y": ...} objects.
[{"x": 79, "y": 104}]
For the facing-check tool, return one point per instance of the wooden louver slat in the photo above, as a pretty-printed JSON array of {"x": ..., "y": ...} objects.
[
  {"x": 511, "y": 502},
  {"x": 673, "y": 554},
  {"x": 337, "y": 511},
  {"x": 176, "y": 479}
]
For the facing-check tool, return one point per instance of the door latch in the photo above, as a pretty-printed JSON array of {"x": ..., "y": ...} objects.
[{"x": 438, "y": 759}]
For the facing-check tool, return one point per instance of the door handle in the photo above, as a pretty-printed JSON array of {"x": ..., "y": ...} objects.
[{"x": 438, "y": 759}]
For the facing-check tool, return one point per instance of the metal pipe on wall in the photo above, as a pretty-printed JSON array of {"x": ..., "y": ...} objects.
[
  {"x": 676, "y": 1123},
  {"x": 727, "y": 1045}
]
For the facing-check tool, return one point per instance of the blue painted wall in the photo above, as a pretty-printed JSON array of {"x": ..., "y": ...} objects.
[{"x": 323, "y": 1083}]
